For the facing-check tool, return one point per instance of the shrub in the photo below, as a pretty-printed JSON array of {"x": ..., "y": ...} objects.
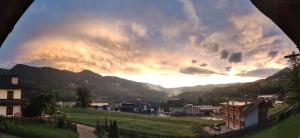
[{"x": 60, "y": 122}]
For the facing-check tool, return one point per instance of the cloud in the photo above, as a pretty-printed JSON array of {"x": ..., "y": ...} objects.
[
  {"x": 224, "y": 54},
  {"x": 262, "y": 73},
  {"x": 196, "y": 71},
  {"x": 235, "y": 57},
  {"x": 273, "y": 54},
  {"x": 194, "y": 61},
  {"x": 203, "y": 65},
  {"x": 114, "y": 37},
  {"x": 228, "y": 68},
  {"x": 190, "y": 12}
]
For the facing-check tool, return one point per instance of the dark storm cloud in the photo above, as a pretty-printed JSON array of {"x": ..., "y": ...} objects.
[
  {"x": 203, "y": 65},
  {"x": 235, "y": 57},
  {"x": 273, "y": 54},
  {"x": 196, "y": 71},
  {"x": 224, "y": 54},
  {"x": 262, "y": 73},
  {"x": 194, "y": 61}
]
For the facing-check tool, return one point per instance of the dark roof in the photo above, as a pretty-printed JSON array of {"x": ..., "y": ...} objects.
[
  {"x": 176, "y": 103},
  {"x": 5, "y": 82},
  {"x": 10, "y": 12},
  {"x": 285, "y": 14}
]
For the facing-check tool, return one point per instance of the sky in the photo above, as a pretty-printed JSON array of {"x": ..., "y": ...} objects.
[{"x": 171, "y": 43}]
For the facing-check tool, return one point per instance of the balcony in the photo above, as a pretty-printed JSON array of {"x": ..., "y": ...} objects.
[{"x": 10, "y": 102}]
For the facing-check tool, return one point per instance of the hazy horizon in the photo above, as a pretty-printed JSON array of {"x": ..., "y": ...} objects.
[{"x": 167, "y": 43}]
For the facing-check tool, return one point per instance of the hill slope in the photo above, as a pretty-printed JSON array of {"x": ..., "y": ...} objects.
[
  {"x": 289, "y": 128},
  {"x": 270, "y": 85},
  {"x": 63, "y": 83}
]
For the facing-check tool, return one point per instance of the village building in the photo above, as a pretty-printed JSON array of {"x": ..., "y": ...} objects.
[
  {"x": 208, "y": 110},
  {"x": 176, "y": 106},
  {"x": 270, "y": 97},
  {"x": 99, "y": 106},
  {"x": 138, "y": 106},
  {"x": 10, "y": 96},
  {"x": 245, "y": 113}
]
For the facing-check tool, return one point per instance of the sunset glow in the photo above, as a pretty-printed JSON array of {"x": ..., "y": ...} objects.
[{"x": 167, "y": 43}]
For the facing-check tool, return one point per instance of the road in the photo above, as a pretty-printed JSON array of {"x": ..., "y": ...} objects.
[{"x": 86, "y": 131}]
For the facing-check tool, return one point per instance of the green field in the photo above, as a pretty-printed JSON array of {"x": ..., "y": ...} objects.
[
  {"x": 289, "y": 128},
  {"x": 38, "y": 130},
  {"x": 277, "y": 109},
  {"x": 145, "y": 123}
]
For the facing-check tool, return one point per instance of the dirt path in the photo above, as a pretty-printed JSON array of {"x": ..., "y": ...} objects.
[{"x": 86, "y": 131}]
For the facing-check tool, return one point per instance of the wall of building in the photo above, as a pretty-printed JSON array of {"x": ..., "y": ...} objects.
[
  {"x": 16, "y": 110},
  {"x": 252, "y": 118},
  {"x": 3, "y": 93},
  {"x": 3, "y": 110}
]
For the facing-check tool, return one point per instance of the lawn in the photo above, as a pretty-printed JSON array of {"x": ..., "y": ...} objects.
[
  {"x": 144, "y": 123},
  {"x": 277, "y": 109},
  {"x": 38, "y": 130},
  {"x": 289, "y": 128}
]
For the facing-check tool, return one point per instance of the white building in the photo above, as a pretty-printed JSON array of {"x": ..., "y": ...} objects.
[
  {"x": 190, "y": 109},
  {"x": 10, "y": 96}
]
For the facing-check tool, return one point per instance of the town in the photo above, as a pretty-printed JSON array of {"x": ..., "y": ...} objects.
[{"x": 235, "y": 114}]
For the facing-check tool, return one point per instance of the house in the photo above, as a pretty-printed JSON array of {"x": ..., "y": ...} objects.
[
  {"x": 244, "y": 113},
  {"x": 99, "y": 106},
  {"x": 270, "y": 97},
  {"x": 176, "y": 106},
  {"x": 190, "y": 109},
  {"x": 127, "y": 107},
  {"x": 10, "y": 96}
]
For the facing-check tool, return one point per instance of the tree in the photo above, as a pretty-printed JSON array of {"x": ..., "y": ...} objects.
[
  {"x": 106, "y": 124},
  {"x": 84, "y": 97},
  {"x": 164, "y": 106},
  {"x": 200, "y": 101},
  {"x": 293, "y": 80},
  {"x": 42, "y": 104},
  {"x": 113, "y": 130}
]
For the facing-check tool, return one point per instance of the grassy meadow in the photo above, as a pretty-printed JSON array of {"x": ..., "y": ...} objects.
[
  {"x": 289, "y": 128},
  {"x": 277, "y": 109},
  {"x": 181, "y": 126},
  {"x": 38, "y": 130}
]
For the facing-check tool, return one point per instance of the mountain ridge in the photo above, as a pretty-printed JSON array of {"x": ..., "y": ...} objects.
[{"x": 37, "y": 80}]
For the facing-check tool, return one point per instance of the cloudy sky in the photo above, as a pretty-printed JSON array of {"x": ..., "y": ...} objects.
[{"x": 166, "y": 42}]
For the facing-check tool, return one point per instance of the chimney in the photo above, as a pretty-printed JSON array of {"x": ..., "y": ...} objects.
[{"x": 14, "y": 80}]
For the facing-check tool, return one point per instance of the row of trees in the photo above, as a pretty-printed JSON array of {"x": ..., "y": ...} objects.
[
  {"x": 112, "y": 129},
  {"x": 46, "y": 103}
]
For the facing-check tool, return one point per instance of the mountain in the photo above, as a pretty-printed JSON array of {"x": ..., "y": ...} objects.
[
  {"x": 62, "y": 83},
  {"x": 198, "y": 88},
  {"x": 213, "y": 95}
]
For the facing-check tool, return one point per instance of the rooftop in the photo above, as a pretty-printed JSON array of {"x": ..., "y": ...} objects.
[{"x": 6, "y": 82}]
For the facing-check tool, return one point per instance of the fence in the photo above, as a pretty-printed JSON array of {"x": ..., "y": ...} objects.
[
  {"x": 137, "y": 134},
  {"x": 274, "y": 119}
]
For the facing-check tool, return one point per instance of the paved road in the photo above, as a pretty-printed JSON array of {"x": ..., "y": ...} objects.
[{"x": 86, "y": 131}]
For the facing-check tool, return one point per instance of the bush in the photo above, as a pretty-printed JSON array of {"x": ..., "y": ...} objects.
[{"x": 60, "y": 122}]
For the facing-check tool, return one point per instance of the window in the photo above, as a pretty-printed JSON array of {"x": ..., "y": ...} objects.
[
  {"x": 9, "y": 110},
  {"x": 10, "y": 94}
]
